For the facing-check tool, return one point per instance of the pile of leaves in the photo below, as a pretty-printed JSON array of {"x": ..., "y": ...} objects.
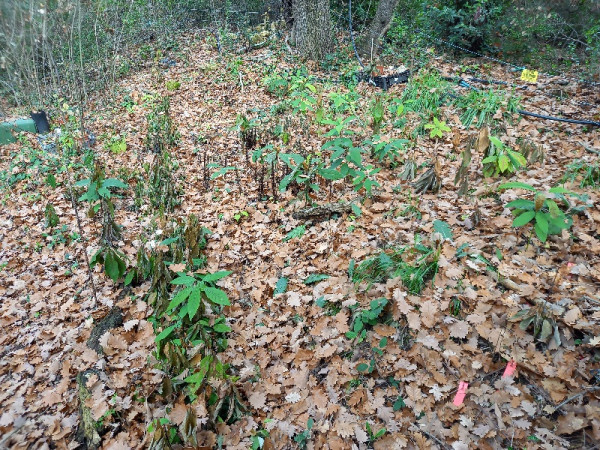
[{"x": 353, "y": 329}]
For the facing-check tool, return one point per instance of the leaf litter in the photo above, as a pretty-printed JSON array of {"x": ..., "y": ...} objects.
[{"x": 288, "y": 344}]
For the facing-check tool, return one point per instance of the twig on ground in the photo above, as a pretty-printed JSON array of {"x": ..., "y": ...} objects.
[{"x": 573, "y": 397}]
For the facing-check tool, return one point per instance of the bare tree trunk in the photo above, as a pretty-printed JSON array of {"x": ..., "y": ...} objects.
[
  {"x": 381, "y": 22},
  {"x": 312, "y": 32}
]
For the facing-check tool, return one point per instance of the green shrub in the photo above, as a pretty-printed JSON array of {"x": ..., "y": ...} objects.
[{"x": 544, "y": 211}]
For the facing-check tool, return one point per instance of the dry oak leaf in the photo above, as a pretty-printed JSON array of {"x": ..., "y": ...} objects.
[
  {"x": 177, "y": 267},
  {"x": 414, "y": 321},
  {"x": 429, "y": 341},
  {"x": 570, "y": 423},
  {"x": 128, "y": 326},
  {"x": 341, "y": 322},
  {"x": 556, "y": 389},
  {"x": 178, "y": 413},
  {"x": 572, "y": 316},
  {"x": 51, "y": 398},
  {"x": 257, "y": 399},
  {"x": 400, "y": 299},
  {"x": 428, "y": 313},
  {"x": 294, "y": 299},
  {"x": 459, "y": 330}
]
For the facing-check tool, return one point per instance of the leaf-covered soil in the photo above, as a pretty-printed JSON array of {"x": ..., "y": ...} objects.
[{"x": 292, "y": 356}]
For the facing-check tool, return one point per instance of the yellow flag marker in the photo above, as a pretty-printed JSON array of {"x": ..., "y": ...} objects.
[{"x": 530, "y": 76}]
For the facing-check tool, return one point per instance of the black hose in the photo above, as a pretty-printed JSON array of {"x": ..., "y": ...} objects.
[
  {"x": 352, "y": 34},
  {"x": 522, "y": 112},
  {"x": 559, "y": 119}
]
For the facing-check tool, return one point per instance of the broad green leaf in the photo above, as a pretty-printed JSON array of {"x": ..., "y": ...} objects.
[
  {"x": 362, "y": 367},
  {"x": 315, "y": 278},
  {"x": 289, "y": 157},
  {"x": 216, "y": 276},
  {"x": 553, "y": 208},
  {"x": 281, "y": 286},
  {"x": 184, "y": 280},
  {"x": 164, "y": 333},
  {"x": 221, "y": 328},
  {"x": 526, "y": 322},
  {"x": 111, "y": 266},
  {"x": 355, "y": 156},
  {"x": 380, "y": 433},
  {"x": 443, "y": 228},
  {"x": 489, "y": 159},
  {"x": 561, "y": 222},
  {"x": 399, "y": 404},
  {"x": 193, "y": 302},
  {"x": 51, "y": 180},
  {"x": 358, "y": 325},
  {"x": 503, "y": 162},
  {"x": 523, "y": 219},
  {"x": 541, "y": 226},
  {"x": 330, "y": 174},
  {"x": 560, "y": 190},
  {"x": 295, "y": 233},
  {"x": 129, "y": 277},
  {"x": 520, "y": 315},
  {"x": 285, "y": 181},
  {"x": 103, "y": 192},
  {"x": 517, "y": 185},
  {"x": 356, "y": 210},
  {"x": 520, "y": 159},
  {"x": 114, "y": 182},
  {"x": 217, "y": 296},
  {"x": 521, "y": 203},
  {"x": 497, "y": 142},
  {"x": 339, "y": 142},
  {"x": 203, "y": 368},
  {"x": 84, "y": 182},
  {"x": 179, "y": 298}
]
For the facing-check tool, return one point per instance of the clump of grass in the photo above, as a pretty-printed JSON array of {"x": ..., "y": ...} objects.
[
  {"x": 425, "y": 93},
  {"x": 480, "y": 107},
  {"x": 587, "y": 172},
  {"x": 414, "y": 265}
]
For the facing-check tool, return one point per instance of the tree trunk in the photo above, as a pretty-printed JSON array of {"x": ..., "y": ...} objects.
[
  {"x": 368, "y": 46},
  {"x": 312, "y": 32}
]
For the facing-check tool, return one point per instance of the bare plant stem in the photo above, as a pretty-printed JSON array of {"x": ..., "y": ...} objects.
[
  {"x": 573, "y": 397},
  {"x": 87, "y": 258}
]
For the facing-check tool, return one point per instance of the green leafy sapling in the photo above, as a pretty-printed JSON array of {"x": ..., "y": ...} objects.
[
  {"x": 501, "y": 159},
  {"x": 437, "y": 128},
  {"x": 544, "y": 210}
]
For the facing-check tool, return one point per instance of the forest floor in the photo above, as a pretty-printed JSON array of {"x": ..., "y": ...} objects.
[{"x": 288, "y": 342}]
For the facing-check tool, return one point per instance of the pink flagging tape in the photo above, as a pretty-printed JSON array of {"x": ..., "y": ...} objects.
[
  {"x": 510, "y": 368},
  {"x": 461, "y": 393}
]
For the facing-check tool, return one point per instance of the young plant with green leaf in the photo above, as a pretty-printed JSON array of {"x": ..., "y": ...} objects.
[
  {"x": 437, "y": 128},
  {"x": 544, "y": 324},
  {"x": 387, "y": 150},
  {"x": 347, "y": 161},
  {"x": 544, "y": 210},
  {"x": 373, "y": 436},
  {"x": 364, "y": 318},
  {"x": 98, "y": 194},
  {"x": 500, "y": 159},
  {"x": 377, "y": 111}
]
